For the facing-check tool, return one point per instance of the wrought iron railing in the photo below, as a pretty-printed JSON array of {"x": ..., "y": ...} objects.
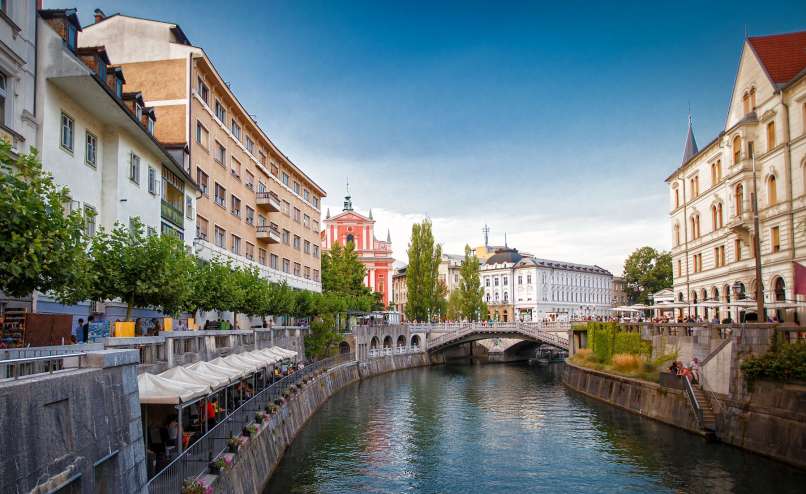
[
  {"x": 194, "y": 460},
  {"x": 695, "y": 404}
]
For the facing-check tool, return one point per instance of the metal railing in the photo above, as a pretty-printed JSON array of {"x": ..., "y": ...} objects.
[
  {"x": 18, "y": 367},
  {"x": 695, "y": 405},
  {"x": 531, "y": 330},
  {"x": 194, "y": 460},
  {"x": 400, "y": 350}
]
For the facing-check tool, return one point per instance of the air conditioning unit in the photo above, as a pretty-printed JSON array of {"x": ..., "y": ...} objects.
[{"x": 97, "y": 307}]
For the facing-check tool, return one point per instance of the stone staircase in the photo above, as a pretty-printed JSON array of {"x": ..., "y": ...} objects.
[{"x": 708, "y": 422}]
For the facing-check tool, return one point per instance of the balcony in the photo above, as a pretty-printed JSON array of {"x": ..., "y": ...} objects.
[
  {"x": 172, "y": 214},
  {"x": 268, "y": 233},
  {"x": 268, "y": 200}
]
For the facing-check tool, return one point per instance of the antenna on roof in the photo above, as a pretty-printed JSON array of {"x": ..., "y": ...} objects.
[
  {"x": 486, "y": 231},
  {"x": 505, "y": 240}
]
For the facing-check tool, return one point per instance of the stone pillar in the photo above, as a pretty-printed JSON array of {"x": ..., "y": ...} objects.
[{"x": 169, "y": 352}]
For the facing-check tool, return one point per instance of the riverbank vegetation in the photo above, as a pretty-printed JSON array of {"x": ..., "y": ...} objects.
[{"x": 785, "y": 362}]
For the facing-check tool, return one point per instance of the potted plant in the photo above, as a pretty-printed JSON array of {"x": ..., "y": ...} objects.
[
  {"x": 233, "y": 443},
  {"x": 192, "y": 486},
  {"x": 259, "y": 417},
  {"x": 251, "y": 430},
  {"x": 278, "y": 402},
  {"x": 217, "y": 466}
]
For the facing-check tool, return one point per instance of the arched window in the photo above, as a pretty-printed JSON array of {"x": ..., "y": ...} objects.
[
  {"x": 772, "y": 191},
  {"x": 350, "y": 238},
  {"x": 695, "y": 226},
  {"x": 676, "y": 234},
  {"x": 714, "y": 222},
  {"x": 739, "y": 199},
  {"x": 737, "y": 149},
  {"x": 716, "y": 172},
  {"x": 746, "y": 102},
  {"x": 752, "y": 98},
  {"x": 770, "y": 135},
  {"x": 719, "y": 216}
]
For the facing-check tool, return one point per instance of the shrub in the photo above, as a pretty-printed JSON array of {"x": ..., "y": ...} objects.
[
  {"x": 627, "y": 362},
  {"x": 787, "y": 362},
  {"x": 192, "y": 486}
]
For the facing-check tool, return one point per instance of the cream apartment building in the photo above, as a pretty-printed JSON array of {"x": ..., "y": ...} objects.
[
  {"x": 711, "y": 192},
  {"x": 256, "y": 207}
]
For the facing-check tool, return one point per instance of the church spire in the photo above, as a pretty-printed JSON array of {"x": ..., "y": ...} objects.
[
  {"x": 370, "y": 214},
  {"x": 348, "y": 203},
  {"x": 690, "y": 149},
  {"x": 388, "y": 236},
  {"x": 327, "y": 216}
]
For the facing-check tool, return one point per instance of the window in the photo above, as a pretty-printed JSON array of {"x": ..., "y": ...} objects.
[
  {"x": 261, "y": 187},
  {"x": 297, "y": 214},
  {"x": 3, "y": 96},
  {"x": 274, "y": 170},
  {"x": 220, "y": 195},
  {"x": 307, "y": 247},
  {"x": 285, "y": 179},
  {"x": 236, "y": 129},
  {"x": 250, "y": 180},
  {"x": 737, "y": 150},
  {"x": 679, "y": 267},
  {"x": 495, "y": 280},
  {"x": 261, "y": 256},
  {"x": 236, "y": 245},
  {"x": 235, "y": 168},
  {"x": 138, "y": 112},
  {"x": 188, "y": 207},
  {"x": 250, "y": 145},
  {"x": 676, "y": 235},
  {"x": 716, "y": 216},
  {"x": 261, "y": 220},
  {"x": 676, "y": 198},
  {"x": 506, "y": 280},
  {"x": 772, "y": 191},
  {"x": 250, "y": 216},
  {"x": 315, "y": 275},
  {"x": 752, "y": 98},
  {"x": 286, "y": 237},
  {"x": 306, "y": 221},
  {"x": 716, "y": 172},
  {"x": 152, "y": 180},
  {"x": 204, "y": 93},
  {"x": 316, "y": 226},
  {"x": 273, "y": 261},
  {"x": 737, "y": 249},
  {"x": 770, "y": 135},
  {"x": 220, "y": 153},
  {"x": 91, "y": 150},
  {"x": 220, "y": 237},
  {"x": 68, "y": 131},
  {"x": 694, "y": 182},
  {"x": 235, "y": 206},
  {"x": 201, "y": 228},
  {"x": 776, "y": 239},
  {"x": 306, "y": 195},
  {"x": 296, "y": 188},
  {"x": 520, "y": 280},
  {"x": 286, "y": 265},
  {"x": 134, "y": 168},
  {"x": 203, "y": 181},
  {"x": 89, "y": 220},
  {"x": 261, "y": 158},
  {"x": 72, "y": 37},
  {"x": 695, "y": 226},
  {"x": 202, "y": 135},
  {"x": 151, "y": 231},
  {"x": 697, "y": 262},
  {"x": 297, "y": 240},
  {"x": 719, "y": 256},
  {"x": 297, "y": 268},
  {"x": 250, "y": 251},
  {"x": 286, "y": 208},
  {"x": 316, "y": 251},
  {"x": 746, "y": 103},
  {"x": 739, "y": 199},
  {"x": 316, "y": 202},
  {"x": 220, "y": 112}
]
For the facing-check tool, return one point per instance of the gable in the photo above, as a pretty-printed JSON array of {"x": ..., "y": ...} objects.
[
  {"x": 349, "y": 217},
  {"x": 751, "y": 74}
]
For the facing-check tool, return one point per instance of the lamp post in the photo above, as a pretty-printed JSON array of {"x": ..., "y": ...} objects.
[{"x": 757, "y": 243}]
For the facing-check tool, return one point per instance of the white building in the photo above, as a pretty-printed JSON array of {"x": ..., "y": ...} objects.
[
  {"x": 99, "y": 142},
  {"x": 710, "y": 194},
  {"x": 547, "y": 289},
  {"x": 17, "y": 72},
  {"x": 450, "y": 268}
]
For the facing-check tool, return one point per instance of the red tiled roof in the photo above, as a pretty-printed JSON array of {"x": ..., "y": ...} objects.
[{"x": 783, "y": 55}]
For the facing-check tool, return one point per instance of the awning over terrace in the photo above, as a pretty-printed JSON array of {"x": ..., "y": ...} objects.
[
  {"x": 157, "y": 390},
  {"x": 229, "y": 373},
  {"x": 183, "y": 374}
]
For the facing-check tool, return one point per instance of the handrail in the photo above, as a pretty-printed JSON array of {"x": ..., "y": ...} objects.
[
  {"x": 193, "y": 461},
  {"x": 693, "y": 401},
  {"x": 532, "y": 330},
  {"x": 14, "y": 364}
]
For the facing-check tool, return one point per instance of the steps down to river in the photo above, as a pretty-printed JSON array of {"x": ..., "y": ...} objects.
[{"x": 708, "y": 416}]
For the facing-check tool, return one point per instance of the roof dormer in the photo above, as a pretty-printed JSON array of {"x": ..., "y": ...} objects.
[
  {"x": 115, "y": 80},
  {"x": 96, "y": 59},
  {"x": 65, "y": 22}
]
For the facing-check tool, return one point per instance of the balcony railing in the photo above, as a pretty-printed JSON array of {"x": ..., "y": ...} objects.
[
  {"x": 266, "y": 232},
  {"x": 172, "y": 214},
  {"x": 269, "y": 200}
]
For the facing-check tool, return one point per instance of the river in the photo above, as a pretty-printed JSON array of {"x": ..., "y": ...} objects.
[{"x": 508, "y": 429}]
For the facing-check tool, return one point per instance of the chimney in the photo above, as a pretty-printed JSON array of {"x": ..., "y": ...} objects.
[{"x": 99, "y": 15}]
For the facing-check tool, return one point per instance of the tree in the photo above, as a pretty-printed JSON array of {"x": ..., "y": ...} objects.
[
  {"x": 322, "y": 338},
  {"x": 647, "y": 271},
  {"x": 43, "y": 246},
  {"x": 422, "y": 275},
  {"x": 342, "y": 272},
  {"x": 140, "y": 270},
  {"x": 471, "y": 292},
  {"x": 454, "y": 308}
]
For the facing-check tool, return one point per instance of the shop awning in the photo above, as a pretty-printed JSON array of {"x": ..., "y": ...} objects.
[
  {"x": 227, "y": 372},
  {"x": 228, "y": 362},
  {"x": 250, "y": 359},
  {"x": 269, "y": 358},
  {"x": 156, "y": 390},
  {"x": 283, "y": 351},
  {"x": 186, "y": 375},
  {"x": 274, "y": 354}
]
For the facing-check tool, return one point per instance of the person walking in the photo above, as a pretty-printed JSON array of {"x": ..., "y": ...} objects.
[
  {"x": 695, "y": 369},
  {"x": 78, "y": 331},
  {"x": 85, "y": 330}
]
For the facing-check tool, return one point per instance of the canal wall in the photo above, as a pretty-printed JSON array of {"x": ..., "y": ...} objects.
[
  {"x": 255, "y": 462},
  {"x": 644, "y": 398},
  {"x": 76, "y": 430}
]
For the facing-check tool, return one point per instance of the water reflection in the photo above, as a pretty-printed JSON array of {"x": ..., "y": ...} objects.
[{"x": 502, "y": 428}]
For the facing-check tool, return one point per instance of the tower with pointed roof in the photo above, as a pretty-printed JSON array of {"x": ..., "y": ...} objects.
[{"x": 376, "y": 255}]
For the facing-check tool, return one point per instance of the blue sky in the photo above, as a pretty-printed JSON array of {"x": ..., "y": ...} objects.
[{"x": 556, "y": 122}]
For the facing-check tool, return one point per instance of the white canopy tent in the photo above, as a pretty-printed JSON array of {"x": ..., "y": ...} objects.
[
  {"x": 183, "y": 374},
  {"x": 274, "y": 353},
  {"x": 157, "y": 390},
  {"x": 231, "y": 374},
  {"x": 228, "y": 362},
  {"x": 246, "y": 363},
  {"x": 284, "y": 351},
  {"x": 268, "y": 358}
]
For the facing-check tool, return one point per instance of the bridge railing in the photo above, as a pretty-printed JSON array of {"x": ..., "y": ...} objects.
[
  {"x": 532, "y": 330},
  {"x": 388, "y": 351}
]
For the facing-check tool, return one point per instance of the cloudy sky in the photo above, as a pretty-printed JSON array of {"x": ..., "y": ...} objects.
[{"x": 556, "y": 124}]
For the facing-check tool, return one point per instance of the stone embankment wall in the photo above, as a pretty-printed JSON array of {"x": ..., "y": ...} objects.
[
  {"x": 768, "y": 419},
  {"x": 648, "y": 399},
  {"x": 256, "y": 461},
  {"x": 75, "y": 430}
]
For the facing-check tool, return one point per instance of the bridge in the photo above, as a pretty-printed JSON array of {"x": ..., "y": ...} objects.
[{"x": 442, "y": 336}]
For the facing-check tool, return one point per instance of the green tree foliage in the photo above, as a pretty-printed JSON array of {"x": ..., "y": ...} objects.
[
  {"x": 606, "y": 339},
  {"x": 786, "y": 362},
  {"x": 454, "y": 307},
  {"x": 422, "y": 275},
  {"x": 43, "y": 247},
  {"x": 323, "y": 337},
  {"x": 342, "y": 272},
  {"x": 647, "y": 271},
  {"x": 140, "y": 270},
  {"x": 471, "y": 292}
]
